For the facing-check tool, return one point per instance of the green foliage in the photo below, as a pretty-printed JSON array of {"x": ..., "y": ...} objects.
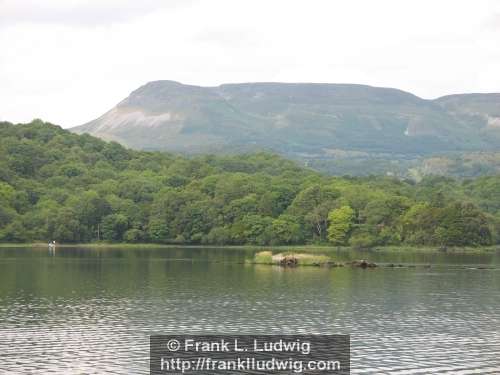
[
  {"x": 344, "y": 129},
  {"x": 286, "y": 230},
  {"x": 55, "y": 185},
  {"x": 218, "y": 236},
  {"x": 341, "y": 222},
  {"x": 462, "y": 224},
  {"x": 363, "y": 240},
  {"x": 254, "y": 229},
  {"x": 263, "y": 257},
  {"x": 457, "y": 224},
  {"x": 158, "y": 230},
  {"x": 133, "y": 235},
  {"x": 114, "y": 226}
]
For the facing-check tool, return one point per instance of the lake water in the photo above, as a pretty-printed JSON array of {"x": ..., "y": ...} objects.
[{"x": 92, "y": 311}]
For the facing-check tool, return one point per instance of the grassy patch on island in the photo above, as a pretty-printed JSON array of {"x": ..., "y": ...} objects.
[{"x": 291, "y": 259}]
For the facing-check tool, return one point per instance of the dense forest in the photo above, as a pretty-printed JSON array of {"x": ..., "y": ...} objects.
[{"x": 55, "y": 185}]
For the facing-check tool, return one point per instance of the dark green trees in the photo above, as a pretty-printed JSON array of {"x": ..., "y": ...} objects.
[
  {"x": 457, "y": 224},
  {"x": 55, "y": 185}
]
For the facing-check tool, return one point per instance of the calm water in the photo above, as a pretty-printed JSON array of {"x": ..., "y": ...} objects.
[{"x": 91, "y": 311}]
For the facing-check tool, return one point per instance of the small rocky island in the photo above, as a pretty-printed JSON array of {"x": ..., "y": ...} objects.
[{"x": 290, "y": 259}]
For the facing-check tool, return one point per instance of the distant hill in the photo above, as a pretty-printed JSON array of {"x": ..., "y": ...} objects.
[{"x": 321, "y": 124}]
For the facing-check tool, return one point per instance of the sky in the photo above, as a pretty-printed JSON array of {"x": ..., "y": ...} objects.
[{"x": 69, "y": 61}]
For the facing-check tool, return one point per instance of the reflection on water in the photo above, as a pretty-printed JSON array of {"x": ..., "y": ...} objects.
[{"x": 91, "y": 311}]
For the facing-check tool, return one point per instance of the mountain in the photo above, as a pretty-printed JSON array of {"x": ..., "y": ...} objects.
[
  {"x": 312, "y": 122},
  {"x": 480, "y": 109}
]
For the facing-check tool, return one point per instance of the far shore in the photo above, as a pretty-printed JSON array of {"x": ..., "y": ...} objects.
[{"x": 301, "y": 248}]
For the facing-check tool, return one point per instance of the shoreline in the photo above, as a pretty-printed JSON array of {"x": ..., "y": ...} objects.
[{"x": 301, "y": 248}]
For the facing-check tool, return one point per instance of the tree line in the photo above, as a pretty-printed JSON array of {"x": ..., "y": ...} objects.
[{"x": 55, "y": 185}]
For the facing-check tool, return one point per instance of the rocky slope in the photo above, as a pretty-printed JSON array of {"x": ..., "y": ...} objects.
[{"x": 303, "y": 121}]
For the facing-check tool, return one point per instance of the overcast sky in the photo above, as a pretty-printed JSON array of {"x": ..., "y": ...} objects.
[{"x": 69, "y": 61}]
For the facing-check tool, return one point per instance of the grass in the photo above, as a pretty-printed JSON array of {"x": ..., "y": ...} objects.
[
  {"x": 301, "y": 249},
  {"x": 436, "y": 249},
  {"x": 33, "y": 244},
  {"x": 267, "y": 257},
  {"x": 386, "y": 249},
  {"x": 89, "y": 245},
  {"x": 263, "y": 257},
  {"x": 123, "y": 245}
]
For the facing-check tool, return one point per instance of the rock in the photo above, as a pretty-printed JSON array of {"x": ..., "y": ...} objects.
[
  {"x": 333, "y": 264},
  {"x": 289, "y": 261},
  {"x": 363, "y": 264}
]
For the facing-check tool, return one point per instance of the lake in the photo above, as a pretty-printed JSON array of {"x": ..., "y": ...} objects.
[{"x": 92, "y": 310}]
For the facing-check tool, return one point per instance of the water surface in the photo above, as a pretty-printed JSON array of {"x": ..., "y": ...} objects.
[{"x": 92, "y": 311}]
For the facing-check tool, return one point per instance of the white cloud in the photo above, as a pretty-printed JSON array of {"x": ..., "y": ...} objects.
[
  {"x": 492, "y": 23},
  {"x": 69, "y": 61},
  {"x": 80, "y": 12}
]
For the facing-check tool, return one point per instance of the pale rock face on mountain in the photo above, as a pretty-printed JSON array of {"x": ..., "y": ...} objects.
[
  {"x": 300, "y": 120},
  {"x": 484, "y": 108}
]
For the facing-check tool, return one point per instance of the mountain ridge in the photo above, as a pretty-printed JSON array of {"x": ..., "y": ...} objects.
[{"x": 299, "y": 120}]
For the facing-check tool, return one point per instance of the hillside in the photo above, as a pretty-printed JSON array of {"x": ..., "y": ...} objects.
[
  {"x": 55, "y": 185},
  {"x": 337, "y": 128},
  {"x": 306, "y": 119}
]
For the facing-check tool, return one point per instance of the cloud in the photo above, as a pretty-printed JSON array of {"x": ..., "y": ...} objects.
[
  {"x": 86, "y": 13},
  {"x": 492, "y": 22},
  {"x": 237, "y": 38},
  {"x": 69, "y": 61}
]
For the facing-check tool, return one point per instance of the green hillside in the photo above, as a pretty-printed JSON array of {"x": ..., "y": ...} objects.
[
  {"x": 56, "y": 185},
  {"x": 298, "y": 118},
  {"x": 338, "y": 128}
]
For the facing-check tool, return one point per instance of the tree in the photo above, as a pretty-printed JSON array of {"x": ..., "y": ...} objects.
[
  {"x": 114, "y": 226},
  {"x": 89, "y": 208},
  {"x": 67, "y": 187},
  {"x": 311, "y": 197},
  {"x": 238, "y": 208},
  {"x": 7, "y": 194},
  {"x": 158, "y": 230},
  {"x": 7, "y": 212},
  {"x": 218, "y": 236},
  {"x": 67, "y": 228},
  {"x": 133, "y": 235},
  {"x": 382, "y": 217},
  {"x": 363, "y": 240},
  {"x": 255, "y": 229},
  {"x": 462, "y": 224},
  {"x": 317, "y": 219},
  {"x": 286, "y": 230},
  {"x": 418, "y": 224},
  {"x": 15, "y": 232},
  {"x": 341, "y": 222}
]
